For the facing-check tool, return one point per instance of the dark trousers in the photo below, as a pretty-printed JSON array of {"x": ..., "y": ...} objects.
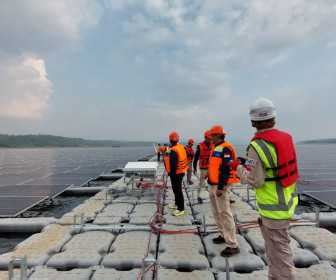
[
  {"x": 158, "y": 157},
  {"x": 176, "y": 181}
]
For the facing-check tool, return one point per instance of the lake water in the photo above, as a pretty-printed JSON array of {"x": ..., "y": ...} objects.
[{"x": 57, "y": 165}]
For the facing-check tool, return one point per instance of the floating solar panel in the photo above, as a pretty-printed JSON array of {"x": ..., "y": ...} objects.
[
  {"x": 30, "y": 176},
  {"x": 326, "y": 197},
  {"x": 16, "y": 199},
  {"x": 11, "y": 206},
  {"x": 66, "y": 179}
]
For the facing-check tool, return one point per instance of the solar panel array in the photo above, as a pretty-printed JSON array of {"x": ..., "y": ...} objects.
[
  {"x": 28, "y": 176},
  {"x": 318, "y": 172}
]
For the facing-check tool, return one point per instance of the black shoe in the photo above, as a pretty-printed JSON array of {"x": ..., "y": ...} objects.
[
  {"x": 229, "y": 252},
  {"x": 200, "y": 200},
  {"x": 218, "y": 240}
]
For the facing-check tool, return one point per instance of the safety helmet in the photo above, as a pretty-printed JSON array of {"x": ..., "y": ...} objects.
[
  {"x": 174, "y": 136},
  {"x": 191, "y": 141},
  {"x": 217, "y": 130},
  {"x": 262, "y": 109},
  {"x": 207, "y": 134}
]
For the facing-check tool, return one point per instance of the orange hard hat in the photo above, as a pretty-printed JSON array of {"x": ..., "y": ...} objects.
[
  {"x": 191, "y": 141},
  {"x": 217, "y": 130},
  {"x": 207, "y": 134},
  {"x": 174, "y": 136}
]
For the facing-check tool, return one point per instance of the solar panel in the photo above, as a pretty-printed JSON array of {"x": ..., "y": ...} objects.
[
  {"x": 11, "y": 206},
  {"x": 65, "y": 179},
  {"x": 13, "y": 179},
  {"x": 31, "y": 190},
  {"x": 29, "y": 176},
  {"x": 327, "y": 197}
]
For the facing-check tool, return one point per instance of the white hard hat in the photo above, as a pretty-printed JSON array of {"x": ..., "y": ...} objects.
[{"x": 262, "y": 109}]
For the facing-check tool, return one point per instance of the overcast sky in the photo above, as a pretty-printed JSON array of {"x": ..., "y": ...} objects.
[{"x": 137, "y": 69}]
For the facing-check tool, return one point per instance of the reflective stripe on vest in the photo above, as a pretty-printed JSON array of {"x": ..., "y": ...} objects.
[{"x": 273, "y": 200}]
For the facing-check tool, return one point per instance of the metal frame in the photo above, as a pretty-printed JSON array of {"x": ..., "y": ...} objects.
[
  {"x": 319, "y": 199},
  {"x": 23, "y": 268},
  {"x": 43, "y": 199}
]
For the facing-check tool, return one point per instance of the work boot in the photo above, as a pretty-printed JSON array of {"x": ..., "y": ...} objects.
[
  {"x": 200, "y": 200},
  {"x": 218, "y": 240},
  {"x": 172, "y": 206},
  {"x": 178, "y": 213},
  {"x": 229, "y": 252}
]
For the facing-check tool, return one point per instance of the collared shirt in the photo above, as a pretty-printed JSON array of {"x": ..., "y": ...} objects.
[{"x": 253, "y": 173}]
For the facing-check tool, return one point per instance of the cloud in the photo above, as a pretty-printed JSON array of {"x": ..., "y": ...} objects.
[
  {"x": 40, "y": 28},
  {"x": 44, "y": 25},
  {"x": 25, "y": 88},
  {"x": 200, "y": 42}
]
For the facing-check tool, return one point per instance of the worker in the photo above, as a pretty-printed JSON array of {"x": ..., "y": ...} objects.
[
  {"x": 201, "y": 159},
  {"x": 176, "y": 165},
  {"x": 271, "y": 168},
  {"x": 162, "y": 150},
  {"x": 190, "y": 157},
  {"x": 158, "y": 152},
  {"x": 221, "y": 177}
]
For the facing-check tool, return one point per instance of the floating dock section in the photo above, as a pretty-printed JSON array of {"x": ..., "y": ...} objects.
[{"x": 126, "y": 231}]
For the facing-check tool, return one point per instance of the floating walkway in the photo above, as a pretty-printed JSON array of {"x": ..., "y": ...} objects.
[{"x": 126, "y": 231}]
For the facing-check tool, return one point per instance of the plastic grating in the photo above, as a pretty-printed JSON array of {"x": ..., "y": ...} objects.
[
  {"x": 182, "y": 252},
  {"x": 52, "y": 274},
  {"x": 129, "y": 250},
  {"x": 169, "y": 274},
  {"x": 321, "y": 241},
  {"x": 39, "y": 247},
  {"x": 302, "y": 257},
  {"x": 83, "y": 250},
  {"x": 114, "y": 213},
  {"x": 322, "y": 271},
  {"x": 244, "y": 262},
  {"x": 112, "y": 274}
]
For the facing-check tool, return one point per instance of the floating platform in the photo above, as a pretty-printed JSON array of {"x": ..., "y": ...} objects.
[{"x": 126, "y": 231}]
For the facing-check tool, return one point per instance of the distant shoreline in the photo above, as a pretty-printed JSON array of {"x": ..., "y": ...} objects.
[
  {"x": 51, "y": 141},
  {"x": 72, "y": 147},
  {"x": 319, "y": 141}
]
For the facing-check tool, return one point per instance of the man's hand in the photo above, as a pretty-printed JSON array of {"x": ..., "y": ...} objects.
[
  {"x": 242, "y": 160},
  {"x": 219, "y": 193}
]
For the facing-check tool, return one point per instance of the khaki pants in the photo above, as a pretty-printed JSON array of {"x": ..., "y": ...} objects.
[
  {"x": 203, "y": 185},
  {"x": 189, "y": 172},
  {"x": 222, "y": 213},
  {"x": 279, "y": 253}
]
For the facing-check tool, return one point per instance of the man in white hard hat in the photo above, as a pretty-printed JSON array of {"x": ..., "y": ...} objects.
[{"x": 271, "y": 168}]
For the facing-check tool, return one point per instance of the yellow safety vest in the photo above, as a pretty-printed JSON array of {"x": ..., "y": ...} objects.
[{"x": 273, "y": 200}]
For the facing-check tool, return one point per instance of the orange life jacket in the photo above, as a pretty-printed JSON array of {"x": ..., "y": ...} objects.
[
  {"x": 182, "y": 164},
  {"x": 163, "y": 149},
  {"x": 190, "y": 153},
  {"x": 215, "y": 163},
  {"x": 205, "y": 153},
  {"x": 287, "y": 169}
]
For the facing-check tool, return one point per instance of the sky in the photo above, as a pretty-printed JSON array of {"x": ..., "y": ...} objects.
[{"x": 138, "y": 69}]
